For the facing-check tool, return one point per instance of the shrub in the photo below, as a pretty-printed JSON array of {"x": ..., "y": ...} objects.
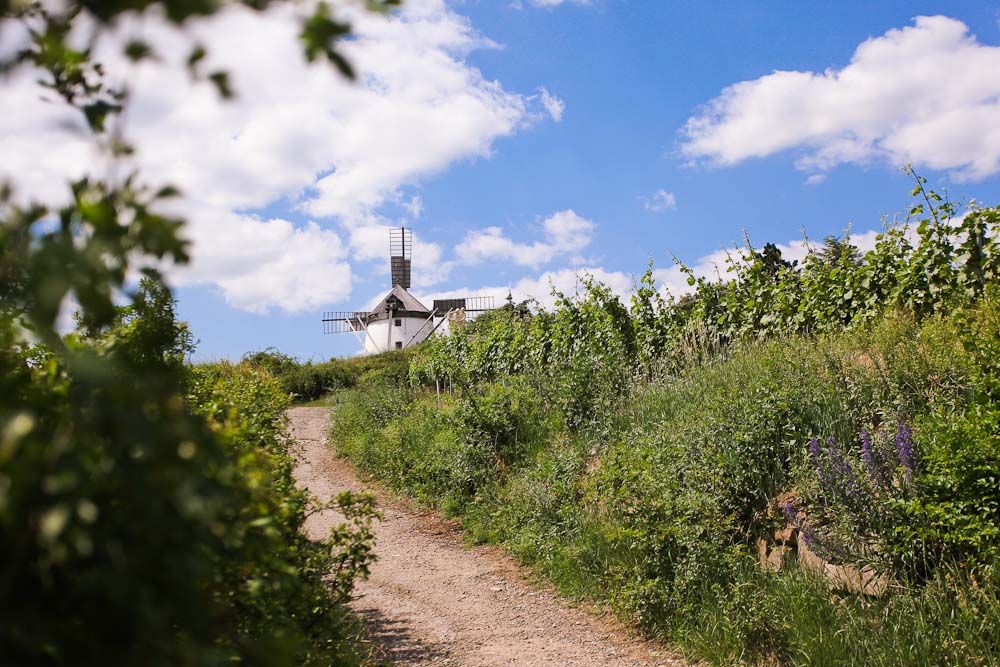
[
  {"x": 311, "y": 381},
  {"x": 150, "y": 512},
  {"x": 911, "y": 498},
  {"x": 305, "y": 382}
]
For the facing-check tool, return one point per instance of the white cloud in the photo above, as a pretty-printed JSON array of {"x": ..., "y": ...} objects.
[
  {"x": 555, "y": 106},
  {"x": 258, "y": 264},
  {"x": 421, "y": 109},
  {"x": 415, "y": 206},
  {"x": 539, "y": 288},
  {"x": 927, "y": 94},
  {"x": 661, "y": 201},
  {"x": 564, "y": 233},
  {"x": 297, "y": 134}
]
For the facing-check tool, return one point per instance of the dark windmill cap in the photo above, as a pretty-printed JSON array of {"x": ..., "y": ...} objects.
[{"x": 401, "y": 304}]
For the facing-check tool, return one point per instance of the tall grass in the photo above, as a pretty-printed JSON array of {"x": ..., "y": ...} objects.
[{"x": 654, "y": 510}]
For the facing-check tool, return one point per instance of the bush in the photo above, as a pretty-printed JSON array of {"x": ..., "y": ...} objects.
[
  {"x": 578, "y": 359},
  {"x": 907, "y": 497},
  {"x": 304, "y": 382},
  {"x": 309, "y": 381},
  {"x": 149, "y": 511}
]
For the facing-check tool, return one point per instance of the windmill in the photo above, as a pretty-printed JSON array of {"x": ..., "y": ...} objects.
[{"x": 400, "y": 320}]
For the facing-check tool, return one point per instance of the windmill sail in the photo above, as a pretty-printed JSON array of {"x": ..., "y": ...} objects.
[
  {"x": 345, "y": 321},
  {"x": 471, "y": 304},
  {"x": 400, "y": 255}
]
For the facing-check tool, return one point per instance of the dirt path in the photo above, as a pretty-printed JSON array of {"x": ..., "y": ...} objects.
[{"x": 432, "y": 601}]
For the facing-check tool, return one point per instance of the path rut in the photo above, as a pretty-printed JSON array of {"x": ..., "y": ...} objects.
[{"x": 431, "y": 600}]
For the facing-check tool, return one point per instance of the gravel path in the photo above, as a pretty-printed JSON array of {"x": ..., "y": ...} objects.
[{"x": 433, "y": 601}]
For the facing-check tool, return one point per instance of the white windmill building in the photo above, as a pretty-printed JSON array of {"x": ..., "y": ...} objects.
[{"x": 400, "y": 320}]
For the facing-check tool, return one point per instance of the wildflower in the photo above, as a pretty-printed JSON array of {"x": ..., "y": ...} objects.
[
  {"x": 867, "y": 455},
  {"x": 875, "y": 462},
  {"x": 904, "y": 448},
  {"x": 791, "y": 514},
  {"x": 840, "y": 479},
  {"x": 815, "y": 450}
]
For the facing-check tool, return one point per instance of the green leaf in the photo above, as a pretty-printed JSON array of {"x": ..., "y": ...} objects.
[
  {"x": 220, "y": 80},
  {"x": 167, "y": 192},
  {"x": 137, "y": 50},
  {"x": 197, "y": 54},
  {"x": 319, "y": 32},
  {"x": 98, "y": 112}
]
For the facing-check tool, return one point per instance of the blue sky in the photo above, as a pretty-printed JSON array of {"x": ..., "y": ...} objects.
[{"x": 578, "y": 136}]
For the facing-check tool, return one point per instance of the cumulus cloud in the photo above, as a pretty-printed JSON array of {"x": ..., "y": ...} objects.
[
  {"x": 553, "y": 105},
  {"x": 298, "y": 135},
  {"x": 422, "y": 108},
  {"x": 539, "y": 288},
  {"x": 660, "y": 201},
  {"x": 415, "y": 206},
  {"x": 927, "y": 94},
  {"x": 261, "y": 263},
  {"x": 564, "y": 233}
]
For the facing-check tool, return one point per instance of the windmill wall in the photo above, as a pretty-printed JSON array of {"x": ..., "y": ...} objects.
[{"x": 384, "y": 334}]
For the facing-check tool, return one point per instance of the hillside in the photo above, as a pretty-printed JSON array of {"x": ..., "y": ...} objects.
[{"x": 799, "y": 465}]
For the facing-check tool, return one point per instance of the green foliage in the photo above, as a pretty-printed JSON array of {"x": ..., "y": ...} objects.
[
  {"x": 311, "y": 381},
  {"x": 791, "y": 618},
  {"x": 953, "y": 259},
  {"x": 164, "y": 499},
  {"x": 280, "y": 583},
  {"x": 909, "y": 500},
  {"x": 147, "y": 511},
  {"x": 654, "y": 505},
  {"x": 958, "y": 510},
  {"x": 443, "y": 449},
  {"x": 578, "y": 358}
]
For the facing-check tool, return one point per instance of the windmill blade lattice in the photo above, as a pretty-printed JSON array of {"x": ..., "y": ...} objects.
[
  {"x": 345, "y": 321},
  {"x": 400, "y": 256},
  {"x": 471, "y": 304}
]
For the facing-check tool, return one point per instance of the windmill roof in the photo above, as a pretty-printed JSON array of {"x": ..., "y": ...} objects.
[{"x": 406, "y": 304}]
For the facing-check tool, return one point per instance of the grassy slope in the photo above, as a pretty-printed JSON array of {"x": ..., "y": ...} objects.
[{"x": 656, "y": 519}]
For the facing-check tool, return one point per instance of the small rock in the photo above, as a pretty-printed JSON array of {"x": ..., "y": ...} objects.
[{"x": 785, "y": 535}]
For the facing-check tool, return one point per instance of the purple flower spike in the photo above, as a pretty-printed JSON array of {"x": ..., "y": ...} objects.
[
  {"x": 867, "y": 455},
  {"x": 815, "y": 450},
  {"x": 904, "y": 447},
  {"x": 791, "y": 515}
]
